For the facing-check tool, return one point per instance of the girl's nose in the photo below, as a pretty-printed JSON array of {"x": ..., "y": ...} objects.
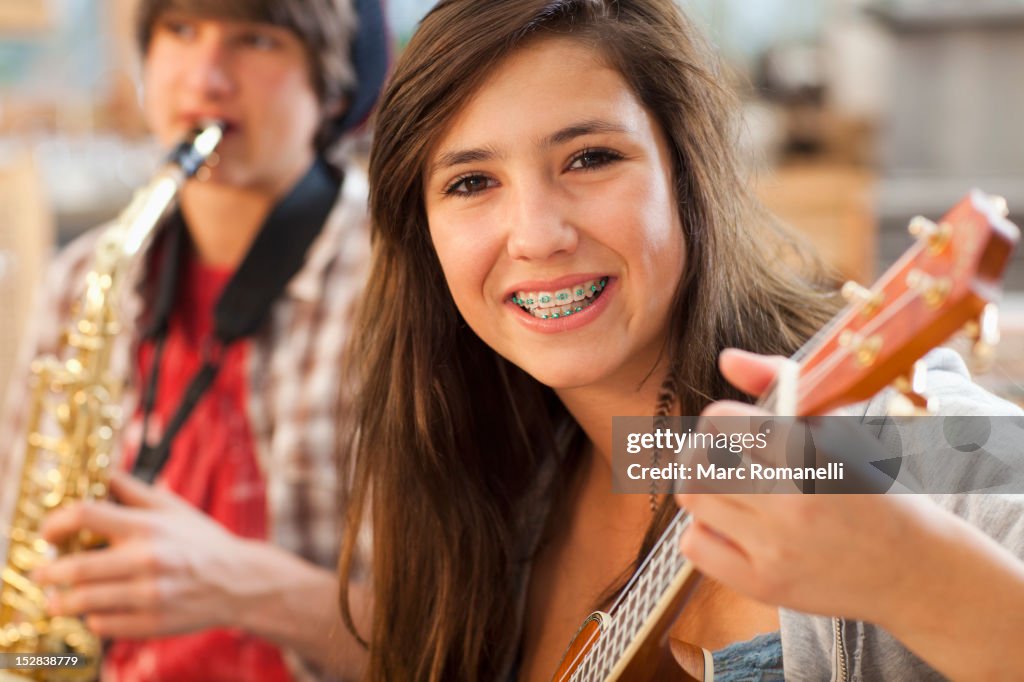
[{"x": 538, "y": 227}]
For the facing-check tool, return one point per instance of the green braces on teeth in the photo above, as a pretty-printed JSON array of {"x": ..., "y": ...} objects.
[{"x": 601, "y": 284}]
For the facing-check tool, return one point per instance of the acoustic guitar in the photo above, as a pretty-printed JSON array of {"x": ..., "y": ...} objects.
[{"x": 948, "y": 280}]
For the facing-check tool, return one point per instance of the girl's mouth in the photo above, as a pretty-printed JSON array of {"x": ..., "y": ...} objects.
[{"x": 566, "y": 302}]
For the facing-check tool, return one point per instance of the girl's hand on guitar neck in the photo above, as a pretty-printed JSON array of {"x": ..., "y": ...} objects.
[
  {"x": 900, "y": 561},
  {"x": 827, "y": 554}
]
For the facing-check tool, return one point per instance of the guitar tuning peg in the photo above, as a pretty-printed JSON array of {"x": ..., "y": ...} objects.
[
  {"x": 1000, "y": 205},
  {"x": 985, "y": 333},
  {"x": 912, "y": 382},
  {"x": 911, "y": 405},
  {"x": 936, "y": 235},
  {"x": 920, "y": 226},
  {"x": 911, "y": 400},
  {"x": 854, "y": 293}
]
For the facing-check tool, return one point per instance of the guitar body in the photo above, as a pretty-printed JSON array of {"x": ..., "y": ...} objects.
[
  {"x": 653, "y": 662},
  {"x": 582, "y": 643}
]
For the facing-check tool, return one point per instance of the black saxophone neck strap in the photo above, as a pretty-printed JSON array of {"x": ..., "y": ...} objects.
[{"x": 275, "y": 256}]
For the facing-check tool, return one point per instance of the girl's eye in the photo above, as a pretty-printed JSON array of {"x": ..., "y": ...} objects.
[
  {"x": 589, "y": 159},
  {"x": 468, "y": 185}
]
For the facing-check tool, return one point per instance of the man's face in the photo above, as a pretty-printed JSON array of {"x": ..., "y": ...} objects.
[{"x": 255, "y": 77}]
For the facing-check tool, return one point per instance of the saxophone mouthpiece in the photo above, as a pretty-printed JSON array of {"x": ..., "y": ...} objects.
[
  {"x": 209, "y": 136},
  {"x": 192, "y": 152}
]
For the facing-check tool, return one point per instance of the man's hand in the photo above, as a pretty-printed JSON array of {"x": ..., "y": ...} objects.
[{"x": 167, "y": 568}]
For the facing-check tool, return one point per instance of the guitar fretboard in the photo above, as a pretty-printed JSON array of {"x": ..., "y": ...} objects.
[
  {"x": 637, "y": 603},
  {"x": 651, "y": 586}
]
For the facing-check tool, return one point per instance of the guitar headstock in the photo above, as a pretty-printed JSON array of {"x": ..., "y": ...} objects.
[{"x": 950, "y": 278}]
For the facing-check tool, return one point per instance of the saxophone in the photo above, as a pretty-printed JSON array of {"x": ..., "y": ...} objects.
[{"x": 72, "y": 426}]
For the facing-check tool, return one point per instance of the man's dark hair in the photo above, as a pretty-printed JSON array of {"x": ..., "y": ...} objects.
[{"x": 325, "y": 27}]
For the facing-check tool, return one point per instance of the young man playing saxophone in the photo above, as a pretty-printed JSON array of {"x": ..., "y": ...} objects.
[{"x": 223, "y": 569}]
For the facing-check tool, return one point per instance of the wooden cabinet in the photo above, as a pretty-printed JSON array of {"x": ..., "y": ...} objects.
[
  {"x": 26, "y": 241},
  {"x": 831, "y": 205}
]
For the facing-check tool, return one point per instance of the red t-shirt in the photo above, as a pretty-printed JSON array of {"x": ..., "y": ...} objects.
[{"x": 212, "y": 465}]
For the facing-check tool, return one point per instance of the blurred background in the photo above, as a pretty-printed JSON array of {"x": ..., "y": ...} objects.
[{"x": 858, "y": 115}]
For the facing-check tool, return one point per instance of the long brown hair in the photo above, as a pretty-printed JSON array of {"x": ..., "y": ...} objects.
[{"x": 450, "y": 435}]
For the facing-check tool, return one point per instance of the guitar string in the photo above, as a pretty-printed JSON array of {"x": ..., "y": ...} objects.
[{"x": 827, "y": 365}]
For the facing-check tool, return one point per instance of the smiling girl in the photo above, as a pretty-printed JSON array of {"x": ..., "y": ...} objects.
[{"x": 562, "y": 235}]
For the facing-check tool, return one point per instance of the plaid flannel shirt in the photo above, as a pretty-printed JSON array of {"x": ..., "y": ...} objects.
[{"x": 296, "y": 405}]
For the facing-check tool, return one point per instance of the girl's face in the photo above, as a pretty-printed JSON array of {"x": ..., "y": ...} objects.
[{"x": 551, "y": 206}]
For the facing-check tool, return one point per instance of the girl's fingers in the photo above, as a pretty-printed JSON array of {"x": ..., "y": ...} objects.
[{"x": 749, "y": 372}]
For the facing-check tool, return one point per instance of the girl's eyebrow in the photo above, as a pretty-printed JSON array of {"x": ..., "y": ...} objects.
[
  {"x": 591, "y": 127},
  {"x": 566, "y": 134},
  {"x": 461, "y": 156}
]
